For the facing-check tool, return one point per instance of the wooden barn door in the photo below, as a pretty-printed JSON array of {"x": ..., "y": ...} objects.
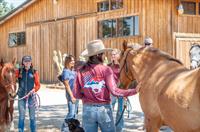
[
  {"x": 182, "y": 49},
  {"x": 32, "y": 46},
  {"x": 57, "y": 36},
  {"x": 86, "y": 30}
]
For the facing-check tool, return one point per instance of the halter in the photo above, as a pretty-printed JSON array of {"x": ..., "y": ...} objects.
[{"x": 126, "y": 68}]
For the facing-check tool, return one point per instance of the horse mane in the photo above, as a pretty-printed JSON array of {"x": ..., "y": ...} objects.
[{"x": 163, "y": 54}]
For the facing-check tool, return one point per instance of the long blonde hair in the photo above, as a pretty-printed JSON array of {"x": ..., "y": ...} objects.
[{"x": 118, "y": 52}]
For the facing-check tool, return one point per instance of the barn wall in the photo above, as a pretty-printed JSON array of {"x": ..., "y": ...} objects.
[
  {"x": 70, "y": 24},
  {"x": 48, "y": 27}
]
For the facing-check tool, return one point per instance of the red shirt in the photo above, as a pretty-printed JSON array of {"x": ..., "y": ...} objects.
[
  {"x": 116, "y": 70},
  {"x": 94, "y": 85}
]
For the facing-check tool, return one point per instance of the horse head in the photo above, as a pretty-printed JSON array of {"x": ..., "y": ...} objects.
[
  {"x": 8, "y": 78},
  {"x": 127, "y": 75},
  {"x": 194, "y": 53}
]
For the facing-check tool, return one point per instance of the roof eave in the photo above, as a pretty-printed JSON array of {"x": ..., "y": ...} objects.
[{"x": 16, "y": 11}]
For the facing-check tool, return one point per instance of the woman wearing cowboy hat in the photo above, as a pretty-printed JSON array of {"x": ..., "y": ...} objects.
[{"x": 94, "y": 83}]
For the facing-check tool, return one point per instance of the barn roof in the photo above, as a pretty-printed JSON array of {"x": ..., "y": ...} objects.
[{"x": 17, "y": 10}]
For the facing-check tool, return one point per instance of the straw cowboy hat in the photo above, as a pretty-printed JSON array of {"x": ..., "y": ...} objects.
[{"x": 94, "y": 47}]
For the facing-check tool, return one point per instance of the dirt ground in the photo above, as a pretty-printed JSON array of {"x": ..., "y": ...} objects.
[{"x": 54, "y": 108}]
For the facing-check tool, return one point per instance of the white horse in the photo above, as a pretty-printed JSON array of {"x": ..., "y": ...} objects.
[{"x": 195, "y": 56}]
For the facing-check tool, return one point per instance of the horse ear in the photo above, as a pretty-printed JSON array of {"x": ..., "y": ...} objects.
[
  {"x": 125, "y": 45},
  {"x": 2, "y": 62},
  {"x": 14, "y": 61}
]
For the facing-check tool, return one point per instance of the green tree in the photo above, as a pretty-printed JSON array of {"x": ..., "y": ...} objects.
[{"x": 5, "y": 8}]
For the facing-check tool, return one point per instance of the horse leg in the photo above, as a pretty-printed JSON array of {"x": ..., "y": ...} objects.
[{"x": 153, "y": 124}]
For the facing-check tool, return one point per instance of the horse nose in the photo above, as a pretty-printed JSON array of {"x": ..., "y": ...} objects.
[{"x": 13, "y": 91}]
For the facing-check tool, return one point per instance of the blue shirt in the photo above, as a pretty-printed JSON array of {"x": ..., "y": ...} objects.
[{"x": 69, "y": 75}]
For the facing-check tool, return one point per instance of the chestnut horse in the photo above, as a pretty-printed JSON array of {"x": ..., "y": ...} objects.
[
  {"x": 8, "y": 92},
  {"x": 169, "y": 93}
]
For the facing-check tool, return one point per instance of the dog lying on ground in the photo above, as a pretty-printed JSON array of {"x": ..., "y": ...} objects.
[{"x": 74, "y": 125}]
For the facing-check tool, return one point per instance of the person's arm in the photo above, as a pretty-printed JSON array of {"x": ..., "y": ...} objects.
[
  {"x": 68, "y": 89},
  {"x": 110, "y": 83},
  {"x": 65, "y": 78},
  {"x": 77, "y": 88},
  {"x": 36, "y": 81}
]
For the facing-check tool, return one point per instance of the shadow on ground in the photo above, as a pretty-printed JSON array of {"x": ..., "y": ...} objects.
[{"x": 51, "y": 118}]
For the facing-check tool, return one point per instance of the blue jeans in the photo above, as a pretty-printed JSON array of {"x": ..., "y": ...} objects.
[
  {"x": 72, "y": 112},
  {"x": 22, "y": 111},
  {"x": 72, "y": 107},
  {"x": 120, "y": 107},
  {"x": 95, "y": 116}
]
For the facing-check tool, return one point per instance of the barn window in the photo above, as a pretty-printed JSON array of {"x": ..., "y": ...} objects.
[
  {"x": 16, "y": 39},
  {"x": 103, "y": 6},
  {"x": 107, "y": 28},
  {"x": 116, "y": 4},
  {"x": 189, "y": 8},
  {"x": 126, "y": 26},
  {"x": 106, "y": 5}
]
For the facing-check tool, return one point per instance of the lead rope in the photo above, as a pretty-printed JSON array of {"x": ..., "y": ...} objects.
[
  {"x": 129, "y": 107},
  {"x": 125, "y": 106},
  {"x": 36, "y": 101}
]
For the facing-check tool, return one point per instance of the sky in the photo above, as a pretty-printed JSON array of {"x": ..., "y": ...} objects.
[{"x": 15, "y": 2}]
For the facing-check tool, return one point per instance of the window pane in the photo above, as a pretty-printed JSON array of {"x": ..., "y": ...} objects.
[
  {"x": 107, "y": 28},
  {"x": 12, "y": 39},
  {"x": 103, "y": 6},
  {"x": 189, "y": 8},
  {"x": 120, "y": 26},
  {"x": 107, "y": 25},
  {"x": 136, "y": 25},
  {"x": 116, "y": 4},
  {"x": 128, "y": 26},
  {"x": 114, "y": 28},
  {"x": 21, "y": 38}
]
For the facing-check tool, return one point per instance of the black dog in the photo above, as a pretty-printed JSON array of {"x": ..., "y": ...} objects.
[{"x": 74, "y": 125}]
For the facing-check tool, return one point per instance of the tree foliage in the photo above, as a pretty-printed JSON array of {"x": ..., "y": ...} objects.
[{"x": 5, "y": 8}]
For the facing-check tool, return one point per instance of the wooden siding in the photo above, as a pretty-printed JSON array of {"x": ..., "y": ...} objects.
[
  {"x": 86, "y": 30},
  {"x": 70, "y": 24}
]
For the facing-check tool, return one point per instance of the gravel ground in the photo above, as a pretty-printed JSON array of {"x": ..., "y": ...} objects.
[{"x": 54, "y": 108}]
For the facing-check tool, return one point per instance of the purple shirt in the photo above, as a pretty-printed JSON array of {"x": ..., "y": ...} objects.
[{"x": 94, "y": 85}]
